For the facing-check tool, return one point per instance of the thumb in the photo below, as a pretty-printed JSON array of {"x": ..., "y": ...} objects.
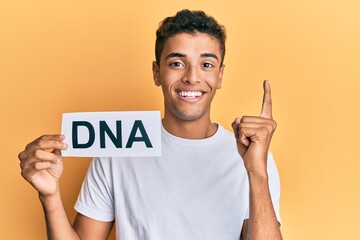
[{"x": 239, "y": 138}]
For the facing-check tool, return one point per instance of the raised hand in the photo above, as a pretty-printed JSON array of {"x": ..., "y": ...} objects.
[
  {"x": 253, "y": 135},
  {"x": 41, "y": 163}
]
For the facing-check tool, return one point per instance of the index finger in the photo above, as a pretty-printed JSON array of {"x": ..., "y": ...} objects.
[
  {"x": 44, "y": 143},
  {"x": 59, "y": 137},
  {"x": 266, "y": 111},
  {"x": 47, "y": 142}
]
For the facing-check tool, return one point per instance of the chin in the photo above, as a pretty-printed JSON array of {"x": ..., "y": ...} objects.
[{"x": 188, "y": 115}]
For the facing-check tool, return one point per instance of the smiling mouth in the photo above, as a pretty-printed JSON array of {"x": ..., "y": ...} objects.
[{"x": 190, "y": 94}]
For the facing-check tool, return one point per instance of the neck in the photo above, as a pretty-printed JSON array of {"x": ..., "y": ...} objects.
[{"x": 196, "y": 129}]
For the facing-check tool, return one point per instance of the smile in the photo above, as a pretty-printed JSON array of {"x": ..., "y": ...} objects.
[{"x": 190, "y": 94}]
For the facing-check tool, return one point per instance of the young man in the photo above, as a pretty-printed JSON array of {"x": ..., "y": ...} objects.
[{"x": 206, "y": 185}]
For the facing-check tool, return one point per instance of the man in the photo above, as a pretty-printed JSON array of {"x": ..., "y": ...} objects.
[{"x": 206, "y": 184}]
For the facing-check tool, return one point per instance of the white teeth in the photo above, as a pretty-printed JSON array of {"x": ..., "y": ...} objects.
[{"x": 190, "y": 94}]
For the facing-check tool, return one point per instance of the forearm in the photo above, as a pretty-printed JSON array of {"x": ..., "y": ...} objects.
[
  {"x": 57, "y": 222},
  {"x": 263, "y": 222}
]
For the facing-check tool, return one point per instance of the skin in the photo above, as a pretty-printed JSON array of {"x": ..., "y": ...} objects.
[
  {"x": 253, "y": 136},
  {"x": 189, "y": 65}
]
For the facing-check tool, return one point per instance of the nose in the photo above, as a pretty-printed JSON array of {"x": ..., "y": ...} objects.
[{"x": 191, "y": 76}]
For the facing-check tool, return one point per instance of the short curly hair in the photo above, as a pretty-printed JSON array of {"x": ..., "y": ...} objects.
[{"x": 186, "y": 21}]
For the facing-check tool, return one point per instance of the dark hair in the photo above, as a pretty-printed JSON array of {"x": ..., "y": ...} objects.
[{"x": 186, "y": 21}]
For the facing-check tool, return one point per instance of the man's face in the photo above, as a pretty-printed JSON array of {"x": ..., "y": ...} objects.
[{"x": 189, "y": 74}]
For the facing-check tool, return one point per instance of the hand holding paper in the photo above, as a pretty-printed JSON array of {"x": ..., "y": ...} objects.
[{"x": 41, "y": 163}]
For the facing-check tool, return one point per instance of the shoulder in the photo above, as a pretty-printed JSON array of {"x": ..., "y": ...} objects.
[
  {"x": 225, "y": 132},
  {"x": 101, "y": 162},
  {"x": 225, "y": 136},
  {"x": 100, "y": 166}
]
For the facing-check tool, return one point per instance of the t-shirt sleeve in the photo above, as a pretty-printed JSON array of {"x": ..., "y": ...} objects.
[
  {"x": 274, "y": 186},
  {"x": 96, "y": 196}
]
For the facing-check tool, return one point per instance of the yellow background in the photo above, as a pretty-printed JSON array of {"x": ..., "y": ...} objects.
[{"x": 64, "y": 56}]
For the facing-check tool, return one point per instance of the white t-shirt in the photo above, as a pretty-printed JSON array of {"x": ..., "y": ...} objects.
[{"x": 197, "y": 189}]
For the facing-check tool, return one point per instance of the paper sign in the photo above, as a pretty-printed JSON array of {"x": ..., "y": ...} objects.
[{"x": 112, "y": 134}]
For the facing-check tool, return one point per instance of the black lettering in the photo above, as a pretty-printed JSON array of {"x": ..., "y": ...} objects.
[
  {"x": 104, "y": 128},
  {"x": 144, "y": 137},
  {"x": 75, "y": 138}
]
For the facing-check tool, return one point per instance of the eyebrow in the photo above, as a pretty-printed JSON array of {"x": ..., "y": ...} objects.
[
  {"x": 181, "y": 55},
  {"x": 209, "y": 55},
  {"x": 174, "y": 55}
]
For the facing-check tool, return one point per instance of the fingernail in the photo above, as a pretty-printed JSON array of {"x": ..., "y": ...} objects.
[
  {"x": 65, "y": 146},
  {"x": 58, "y": 161}
]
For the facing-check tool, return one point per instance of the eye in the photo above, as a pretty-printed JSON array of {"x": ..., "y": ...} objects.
[
  {"x": 207, "y": 65},
  {"x": 176, "y": 64}
]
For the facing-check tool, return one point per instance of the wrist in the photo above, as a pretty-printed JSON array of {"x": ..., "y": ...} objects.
[
  {"x": 50, "y": 202},
  {"x": 258, "y": 178}
]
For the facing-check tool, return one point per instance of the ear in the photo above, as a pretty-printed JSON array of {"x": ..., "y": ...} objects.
[
  {"x": 156, "y": 73},
  {"x": 221, "y": 73}
]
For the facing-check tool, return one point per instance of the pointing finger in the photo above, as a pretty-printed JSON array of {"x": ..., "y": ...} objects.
[{"x": 266, "y": 111}]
